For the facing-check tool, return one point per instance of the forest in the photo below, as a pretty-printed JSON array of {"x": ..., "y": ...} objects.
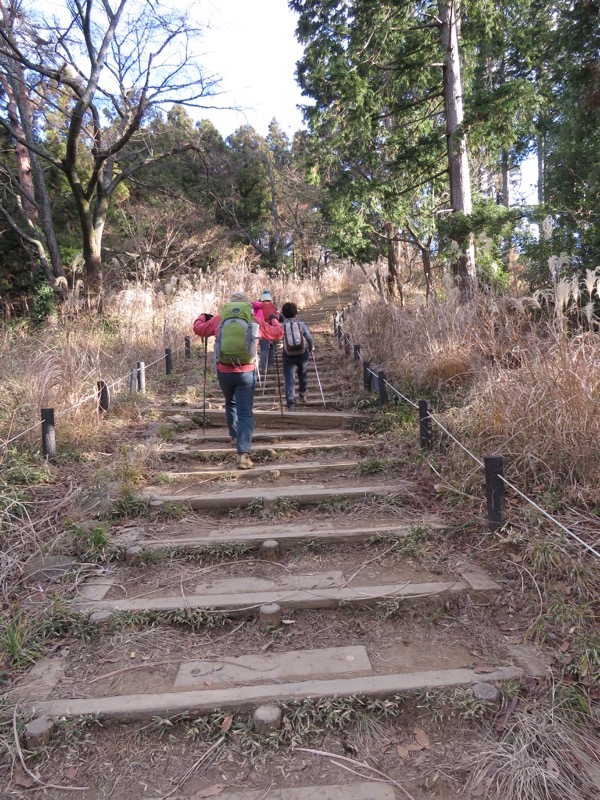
[{"x": 418, "y": 116}]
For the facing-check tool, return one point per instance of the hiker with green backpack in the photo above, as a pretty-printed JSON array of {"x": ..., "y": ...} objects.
[
  {"x": 237, "y": 330},
  {"x": 297, "y": 345}
]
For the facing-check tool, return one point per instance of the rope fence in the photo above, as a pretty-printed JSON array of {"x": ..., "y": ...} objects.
[
  {"x": 493, "y": 465},
  {"x": 102, "y": 394}
]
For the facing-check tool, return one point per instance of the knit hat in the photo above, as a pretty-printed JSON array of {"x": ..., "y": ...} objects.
[
  {"x": 239, "y": 297},
  {"x": 266, "y": 295}
]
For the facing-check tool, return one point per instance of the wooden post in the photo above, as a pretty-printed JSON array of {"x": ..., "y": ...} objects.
[
  {"x": 48, "y": 435},
  {"x": 356, "y": 353},
  {"x": 425, "y": 433},
  {"x": 133, "y": 379},
  {"x": 335, "y": 324},
  {"x": 340, "y": 335},
  {"x": 366, "y": 376},
  {"x": 383, "y": 395},
  {"x": 495, "y": 491},
  {"x": 169, "y": 360},
  {"x": 141, "y": 376},
  {"x": 188, "y": 348},
  {"x": 347, "y": 344},
  {"x": 103, "y": 398}
]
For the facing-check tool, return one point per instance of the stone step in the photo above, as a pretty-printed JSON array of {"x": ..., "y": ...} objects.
[
  {"x": 329, "y": 590},
  {"x": 253, "y": 536},
  {"x": 241, "y": 498},
  {"x": 260, "y": 470},
  {"x": 246, "y": 698},
  {"x": 268, "y": 419}
]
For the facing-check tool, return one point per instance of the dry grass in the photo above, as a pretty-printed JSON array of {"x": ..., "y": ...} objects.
[
  {"x": 538, "y": 758},
  {"x": 524, "y": 379},
  {"x": 59, "y": 364}
]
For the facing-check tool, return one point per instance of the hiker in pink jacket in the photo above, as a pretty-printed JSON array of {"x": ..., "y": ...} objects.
[{"x": 238, "y": 380}]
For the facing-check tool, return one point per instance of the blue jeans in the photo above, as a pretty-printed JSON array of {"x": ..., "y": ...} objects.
[
  {"x": 238, "y": 391},
  {"x": 267, "y": 350},
  {"x": 291, "y": 365}
]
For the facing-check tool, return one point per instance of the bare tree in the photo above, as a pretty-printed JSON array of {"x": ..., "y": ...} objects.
[{"x": 97, "y": 75}]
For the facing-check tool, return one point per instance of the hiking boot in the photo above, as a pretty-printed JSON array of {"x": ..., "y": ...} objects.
[
  {"x": 244, "y": 462},
  {"x": 234, "y": 440},
  {"x": 292, "y": 407},
  {"x": 303, "y": 397}
]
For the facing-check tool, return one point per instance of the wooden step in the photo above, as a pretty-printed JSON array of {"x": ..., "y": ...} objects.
[
  {"x": 253, "y": 536},
  {"x": 269, "y": 419},
  {"x": 241, "y": 498},
  {"x": 246, "y": 698},
  {"x": 232, "y": 596},
  {"x": 260, "y": 470},
  {"x": 275, "y": 448}
]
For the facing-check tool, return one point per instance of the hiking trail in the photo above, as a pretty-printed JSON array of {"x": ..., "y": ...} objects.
[{"x": 325, "y": 528}]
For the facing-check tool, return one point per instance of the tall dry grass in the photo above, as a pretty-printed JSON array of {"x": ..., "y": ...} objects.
[
  {"x": 522, "y": 375},
  {"x": 58, "y": 364}
]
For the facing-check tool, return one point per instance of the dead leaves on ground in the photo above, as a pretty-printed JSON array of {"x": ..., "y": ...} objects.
[{"x": 422, "y": 742}]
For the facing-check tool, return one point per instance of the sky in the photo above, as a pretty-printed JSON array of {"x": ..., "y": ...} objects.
[{"x": 251, "y": 45}]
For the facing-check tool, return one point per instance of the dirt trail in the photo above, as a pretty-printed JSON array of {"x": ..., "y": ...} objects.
[{"x": 383, "y": 636}]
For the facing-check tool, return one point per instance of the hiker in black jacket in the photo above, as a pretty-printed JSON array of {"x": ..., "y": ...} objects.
[{"x": 297, "y": 345}]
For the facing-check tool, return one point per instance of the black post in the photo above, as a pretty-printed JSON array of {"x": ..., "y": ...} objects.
[
  {"x": 366, "y": 376},
  {"x": 133, "y": 381},
  {"x": 383, "y": 395},
  {"x": 494, "y": 486},
  {"x": 141, "y": 376},
  {"x": 169, "y": 360},
  {"x": 188, "y": 348},
  {"x": 103, "y": 398},
  {"x": 347, "y": 344},
  {"x": 425, "y": 433},
  {"x": 356, "y": 353},
  {"x": 340, "y": 335},
  {"x": 48, "y": 435}
]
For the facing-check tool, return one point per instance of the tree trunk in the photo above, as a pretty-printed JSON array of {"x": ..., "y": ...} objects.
[
  {"x": 541, "y": 166},
  {"x": 393, "y": 261},
  {"x": 505, "y": 179},
  {"x": 458, "y": 163}
]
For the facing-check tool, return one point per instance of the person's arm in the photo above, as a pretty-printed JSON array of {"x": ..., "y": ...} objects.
[
  {"x": 204, "y": 327},
  {"x": 271, "y": 329},
  {"x": 308, "y": 336}
]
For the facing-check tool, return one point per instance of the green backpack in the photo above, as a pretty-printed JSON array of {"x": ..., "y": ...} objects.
[{"x": 236, "y": 342}]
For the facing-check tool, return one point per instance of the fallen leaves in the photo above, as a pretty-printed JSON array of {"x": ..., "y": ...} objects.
[
  {"x": 422, "y": 742},
  {"x": 210, "y": 791},
  {"x": 225, "y": 726}
]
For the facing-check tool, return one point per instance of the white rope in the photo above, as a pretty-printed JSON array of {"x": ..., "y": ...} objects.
[
  {"x": 550, "y": 517},
  {"x": 94, "y": 394},
  {"x": 481, "y": 464},
  {"x": 454, "y": 439}
]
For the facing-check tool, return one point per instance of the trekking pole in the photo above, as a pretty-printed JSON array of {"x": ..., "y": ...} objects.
[
  {"x": 318, "y": 379},
  {"x": 278, "y": 379},
  {"x": 264, "y": 386},
  {"x": 204, "y": 392}
]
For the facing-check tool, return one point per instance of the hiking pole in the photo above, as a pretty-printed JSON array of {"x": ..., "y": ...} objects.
[
  {"x": 318, "y": 379},
  {"x": 264, "y": 388},
  {"x": 204, "y": 392},
  {"x": 278, "y": 379}
]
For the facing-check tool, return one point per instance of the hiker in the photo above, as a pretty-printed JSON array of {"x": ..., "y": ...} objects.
[
  {"x": 264, "y": 309},
  {"x": 236, "y": 330},
  {"x": 297, "y": 345}
]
